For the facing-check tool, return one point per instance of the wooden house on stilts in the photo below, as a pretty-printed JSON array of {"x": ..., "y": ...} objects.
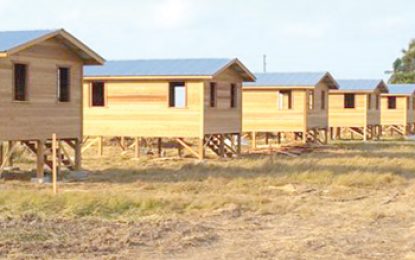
[
  {"x": 195, "y": 102},
  {"x": 282, "y": 104},
  {"x": 41, "y": 94},
  {"x": 354, "y": 109},
  {"x": 397, "y": 110}
]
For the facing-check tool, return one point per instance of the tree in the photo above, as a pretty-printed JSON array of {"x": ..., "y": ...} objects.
[{"x": 404, "y": 67}]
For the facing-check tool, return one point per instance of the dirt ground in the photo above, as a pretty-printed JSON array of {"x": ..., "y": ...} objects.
[{"x": 307, "y": 221}]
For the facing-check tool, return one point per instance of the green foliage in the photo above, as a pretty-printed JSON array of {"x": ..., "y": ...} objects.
[{"x": 404, "y": 67}]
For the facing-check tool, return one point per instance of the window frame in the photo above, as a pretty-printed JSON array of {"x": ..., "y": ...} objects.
[
  {"x": 69, "y": 68},
  {"x": 311, "y": 100},
  {"x": 280, "y": 103},
  {"x": 394, "y": 107},
  {"x": 27, "y": 82},
  {"x": 213, "y": 97},
  {"x": 91, "y": 94},
  {"x": 170, "y": 98},
  {"x": 234, "y": 96},
  {"x": 346, "y": 103}
]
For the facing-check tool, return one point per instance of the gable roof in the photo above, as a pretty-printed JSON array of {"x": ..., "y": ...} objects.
[
  {"x": 362, "y": 85},
  {"x": 14, "y": 41},
  {"x": 291, "y": 79},
  {"x": 168, "y": 68},
  {"x": 401, "y": 89}
]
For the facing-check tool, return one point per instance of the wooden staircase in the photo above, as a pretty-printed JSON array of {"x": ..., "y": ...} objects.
[
  {"x": 217, "y": 143},
  {"x": 63, "y": 157}
]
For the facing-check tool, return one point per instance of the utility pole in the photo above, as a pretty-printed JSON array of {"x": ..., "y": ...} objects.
[{"x": 265, "y": 63}]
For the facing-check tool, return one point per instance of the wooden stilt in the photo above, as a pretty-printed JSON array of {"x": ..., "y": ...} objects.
[
  {"x": 10, "y": 147},
  {"x": 159, "y": 147},
  {"x": 78, "y": 154},
  {"x": 40, "y": 159},
  {"x": 1, "y": 152},
  {"x": 137, "y": 147},
  {"x": 101, "y": 146},
  {"x": 304, "y": 137},
  {"x": 201, "y": 148},
  {"x": 326, "y": 135},
  {"x": 279, "y": 137},
  {"x": 222, "y": 145},
  {"x": 365, "y": 130},
  {"x": 267, "y": 138},
  {"x": 253, "y": 140},
  {"x": 238, "y": 144},
  {"x": 54, "y": 164}
]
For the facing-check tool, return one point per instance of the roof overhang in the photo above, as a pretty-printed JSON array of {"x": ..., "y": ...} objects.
[
  {"x": 278, "y": 87},
  {"x": 329, "y": 80},
  {"x": 240, "y": 68},
  {"x": 360, "y": 91},
  {"x": 85, "y": 53},
  {"x": 149, "y": 78},
  {"x": 397, "y": 95}
]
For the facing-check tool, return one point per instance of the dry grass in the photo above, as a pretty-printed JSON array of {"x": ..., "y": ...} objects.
[{"x": 337, "y": 202}]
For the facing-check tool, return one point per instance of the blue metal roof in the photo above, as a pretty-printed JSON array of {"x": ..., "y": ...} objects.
[
  {"x": 173, "y": 67},
  {"x": 359, "y": 84},
  {"x": 287, "y": 79},
  {"x": 401, "y": 89},
  {"x": 12, "y": 39}
]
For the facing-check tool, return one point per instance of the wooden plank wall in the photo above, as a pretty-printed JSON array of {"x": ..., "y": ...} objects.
[
  {"x": 399, "y": 116},
  {"x": 373, "y": 114},
  {"x": 41, "y": 115},
  {"x": 223, "y": 118},
  {"x": 140, "y": 108},
  {"x": 261, "y": 112},
  {"x": 318, "y": 118},
  {"x": 341, "y": 117}
]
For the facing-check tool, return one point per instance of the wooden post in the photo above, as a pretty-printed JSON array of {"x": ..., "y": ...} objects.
[
  {"x": 304, "y": 137},
  {"x": 222, "y": 146},
  {"x": 78, "y": 154},
  {"x": 54, "y": 164},
  {"x": 253, "y": 140},
  {"x": 122, "y": 143},
  {"x": 279, "y": 137},
  {"x": 267, "y": 138},
  {"x": 9, "y": 148},
  {"x": 40, "y": 154},
  {"x": 338, "y": 133},
  {"x": 137, "y": 147},
  {"x": 365, "y": 133},
  {"x": 159, "y": 144},
  {"x": 201, "y": 148},
  {"x": 326, "y": 135},
  {"x": 100, "y": 146},
  {"x": 238, "y": 144},
  {"x": 1, "y": 152}
]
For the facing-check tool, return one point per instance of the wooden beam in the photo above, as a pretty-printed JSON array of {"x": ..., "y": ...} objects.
[
  {"x": 11, "y": 144},
  {"x": 222, "y": 145},
  {"x": 201, "y": 154},
  {"x": 10, "y": 152},
  {"x": 187, "y": 147}
]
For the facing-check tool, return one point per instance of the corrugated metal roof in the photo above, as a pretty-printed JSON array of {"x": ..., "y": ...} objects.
[
  {"x": 359, "y": 84},
  {"x": 401, "y": 89},
  {"x": 287, "y": 79},
  {"x": 12, "y": 39},
  {"x": 172, "y": 67}
]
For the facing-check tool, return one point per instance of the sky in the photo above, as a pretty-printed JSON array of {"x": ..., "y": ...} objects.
[{"x": 351, "y": 39}]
